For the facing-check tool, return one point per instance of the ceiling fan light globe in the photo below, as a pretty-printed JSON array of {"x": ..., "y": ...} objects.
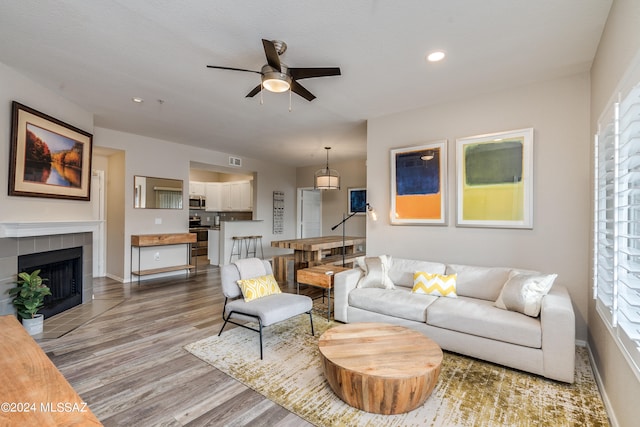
[{"x": 276, "y": 82}]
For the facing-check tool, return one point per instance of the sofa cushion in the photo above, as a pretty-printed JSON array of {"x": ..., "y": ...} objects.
[
  {"x": 258, "y": 287},
  {"x": 479, "y": 282},
  {"x": 438, "y": 285},
  {"x": 481, "y": 318},
  {"x": 523, "y": 292},
  {"x": 402, "y": 270},
  {"x": 376, "y": 273},
  {"x": 398, "y": 302}
]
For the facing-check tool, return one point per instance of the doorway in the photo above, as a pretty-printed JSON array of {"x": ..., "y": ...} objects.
[
  {"x": 309, "y": 221},
  {"x": 99, "y": 238}
]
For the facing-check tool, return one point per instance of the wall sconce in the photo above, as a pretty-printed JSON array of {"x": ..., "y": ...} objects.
[{"x": 372, "y": 212}]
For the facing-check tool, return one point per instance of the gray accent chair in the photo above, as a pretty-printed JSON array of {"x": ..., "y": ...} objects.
[{"x": 266, "y": 310}]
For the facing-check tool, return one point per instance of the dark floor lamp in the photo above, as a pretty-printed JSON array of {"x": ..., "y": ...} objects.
[{"x": 345, "y": 217}]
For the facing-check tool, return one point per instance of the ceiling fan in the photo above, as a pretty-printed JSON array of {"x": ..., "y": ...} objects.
[{"x": 277, "y": 77}]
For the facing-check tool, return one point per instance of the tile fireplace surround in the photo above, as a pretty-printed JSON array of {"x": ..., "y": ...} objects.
[{"x": 23, "y": 238}]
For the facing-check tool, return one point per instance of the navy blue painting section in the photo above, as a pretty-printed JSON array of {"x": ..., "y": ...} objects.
[
  {"x": 358, "y": 201},
  {"x": 415, "y": 176}
]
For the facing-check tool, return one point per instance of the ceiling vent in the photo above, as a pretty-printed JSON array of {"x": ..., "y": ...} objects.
[{"x": 235, "y": 161}]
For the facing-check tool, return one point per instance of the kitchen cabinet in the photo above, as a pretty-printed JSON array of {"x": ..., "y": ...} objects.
[
  {"x": 228, "y": 196},
  {"x": 196, "y": 188},
  {"x": 212, "y": 197},
  {"x": 231, "y": 196},
  {"x": 245, "y": 199},
  {"x": 225, "y": 196}
]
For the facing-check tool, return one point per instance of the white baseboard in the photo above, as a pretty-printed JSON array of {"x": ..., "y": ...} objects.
[
  {"x": 605, "y": 399},
  {"x": 116, "y": 278}
]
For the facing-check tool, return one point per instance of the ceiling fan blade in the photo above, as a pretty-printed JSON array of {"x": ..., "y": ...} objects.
[
  {"x": 233, "y": 69},
  {"x": 254, "y": 91},
  {"x": 307, "y": 73},
  {"x": 300, "y": 90},
  {"x": 273, "y": 59}
]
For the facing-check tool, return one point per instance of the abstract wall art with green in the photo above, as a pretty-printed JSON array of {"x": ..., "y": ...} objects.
[{"x": 494, "y": 182}]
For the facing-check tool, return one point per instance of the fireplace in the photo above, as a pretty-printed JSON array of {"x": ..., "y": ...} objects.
[
  {"x": 62, "y": 270},
  {"x": 18, "y": 239}
]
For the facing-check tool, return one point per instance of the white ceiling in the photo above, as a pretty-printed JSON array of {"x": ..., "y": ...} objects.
[{"x": 100, "y": 54}]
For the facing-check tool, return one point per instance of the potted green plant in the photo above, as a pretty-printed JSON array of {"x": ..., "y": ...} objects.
[{"x": 28, "y": 298}]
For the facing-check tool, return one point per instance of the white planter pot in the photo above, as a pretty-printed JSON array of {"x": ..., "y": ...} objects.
[{"x": 34, "y": 326}]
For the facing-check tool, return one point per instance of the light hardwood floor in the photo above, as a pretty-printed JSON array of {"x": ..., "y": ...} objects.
[{"x": 128, "y": 364}]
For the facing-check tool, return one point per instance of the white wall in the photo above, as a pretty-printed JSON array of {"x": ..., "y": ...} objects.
[
  {"x": 140, "y": 156},
  {"x": 353, "y": 174},
  {"x": 158, "y": 158},
  {"x": 619, "y": 44},
  {"x": 558, "y": 243},
  {"x": 15, "y": 87}
]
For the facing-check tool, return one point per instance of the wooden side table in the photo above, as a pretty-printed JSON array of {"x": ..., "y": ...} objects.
[
  {"x": 33, "y": 390},
  {"x": 320, "y": 276}
]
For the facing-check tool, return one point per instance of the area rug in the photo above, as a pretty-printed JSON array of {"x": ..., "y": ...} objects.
[{"x": 469, "y": 392}]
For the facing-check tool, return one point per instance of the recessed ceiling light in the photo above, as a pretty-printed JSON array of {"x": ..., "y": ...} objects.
[
  {"x": 436, "y": 56},
  {"x": 137, "y": 100}
]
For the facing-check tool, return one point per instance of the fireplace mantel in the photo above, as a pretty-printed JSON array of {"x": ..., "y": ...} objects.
[{"x": 47, "y": 228}]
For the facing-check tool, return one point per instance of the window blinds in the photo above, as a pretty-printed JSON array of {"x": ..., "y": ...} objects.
[{"x": 617, "y": 221}]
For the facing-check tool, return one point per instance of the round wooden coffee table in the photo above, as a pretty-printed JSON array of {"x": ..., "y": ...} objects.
[{"x": 378, "y": 367}]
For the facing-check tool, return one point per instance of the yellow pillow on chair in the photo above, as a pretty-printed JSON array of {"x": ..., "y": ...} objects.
[{"x": 258, "y": 287}]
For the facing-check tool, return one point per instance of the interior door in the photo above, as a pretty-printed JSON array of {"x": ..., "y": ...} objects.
[
  {"x": 310, "y": 213},
  {"x": 99, "y": 238}
]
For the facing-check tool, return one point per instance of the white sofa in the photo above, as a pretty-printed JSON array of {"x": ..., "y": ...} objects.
[{"x": 469, "y": 324}]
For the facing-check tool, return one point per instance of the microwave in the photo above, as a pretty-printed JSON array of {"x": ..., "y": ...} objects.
[{"x": 196, "y": 202}]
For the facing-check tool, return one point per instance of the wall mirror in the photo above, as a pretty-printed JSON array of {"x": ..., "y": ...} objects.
[{"x": 157, "y": 193}]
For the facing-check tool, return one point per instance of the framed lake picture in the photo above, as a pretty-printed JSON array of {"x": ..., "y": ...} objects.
[
  {"x": 418, "y": 184},
  {"x": 48, "y": 158},
  {"x": 495, "y": 180}
]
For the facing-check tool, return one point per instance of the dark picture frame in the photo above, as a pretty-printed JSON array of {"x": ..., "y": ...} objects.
[
  {"x": 357, "y": 201},
  {"x": 48, "y": 158}
]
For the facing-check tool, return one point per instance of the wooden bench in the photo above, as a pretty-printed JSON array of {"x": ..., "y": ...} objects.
[
  {"x": 281, "y": 267},
  {"x": 349, "y": 259},
  {"x": 34, "y": 389}
]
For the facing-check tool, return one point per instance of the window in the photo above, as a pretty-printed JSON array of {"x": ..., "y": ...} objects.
[{"x": 617, "y": 222}]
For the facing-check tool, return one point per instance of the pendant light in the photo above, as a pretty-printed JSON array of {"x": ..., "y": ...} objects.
[{"x": 327, "y": 179}]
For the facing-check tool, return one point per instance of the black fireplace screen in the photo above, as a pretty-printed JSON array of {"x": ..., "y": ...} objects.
[{"x": 63, "y": 271}]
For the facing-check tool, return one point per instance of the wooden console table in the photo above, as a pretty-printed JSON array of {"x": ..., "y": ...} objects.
[
  {"x": 33, "y": 391},
  {"x": 140, "y": 241}
]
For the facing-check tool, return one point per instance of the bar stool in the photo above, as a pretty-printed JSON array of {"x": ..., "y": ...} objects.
[
  {"x": 236, "y": 248},
  {"x": 253, "y": 252}
]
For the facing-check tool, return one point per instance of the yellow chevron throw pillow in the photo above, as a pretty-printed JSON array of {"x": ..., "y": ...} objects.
[
  {"x": 435, "y": 284},
  {"x": 258, "y": 287}
]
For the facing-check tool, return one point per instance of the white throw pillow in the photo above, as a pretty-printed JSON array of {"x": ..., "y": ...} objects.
[
  {"x": 376, "y": 273},
  {"x": 523, "y": 292}
]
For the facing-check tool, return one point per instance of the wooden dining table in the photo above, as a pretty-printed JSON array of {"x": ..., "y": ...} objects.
[{"x": 311, "y": 251}]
